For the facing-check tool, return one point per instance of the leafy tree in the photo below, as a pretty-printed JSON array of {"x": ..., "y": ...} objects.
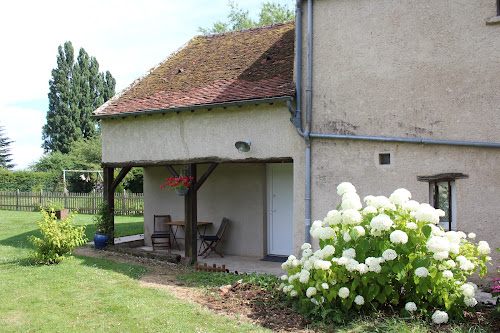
[
  {"x": 76, "y": 89},
  {"x": 270, "y": 12},
  {"x": 5, "y": 160}
]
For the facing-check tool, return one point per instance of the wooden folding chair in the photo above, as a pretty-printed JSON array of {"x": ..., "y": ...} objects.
[
  {"x": 161, "y": 231},
  {"x": 211, "y": 242}
]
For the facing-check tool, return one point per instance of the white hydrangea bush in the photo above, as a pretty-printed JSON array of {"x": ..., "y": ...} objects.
[{"x": 391, "y": 252}]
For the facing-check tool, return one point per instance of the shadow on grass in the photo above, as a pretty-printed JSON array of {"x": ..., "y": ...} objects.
[{"x": 130, "y": 270}]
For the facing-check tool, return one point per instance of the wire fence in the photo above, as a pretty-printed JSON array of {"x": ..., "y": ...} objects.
[{"x": 85, "y": 203}]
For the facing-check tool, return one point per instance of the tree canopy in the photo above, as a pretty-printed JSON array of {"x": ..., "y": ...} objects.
[
  {"x": 5, "y": 155},
  {"x": 270, "y": 12},
  {"x": 75, "y": 90}
]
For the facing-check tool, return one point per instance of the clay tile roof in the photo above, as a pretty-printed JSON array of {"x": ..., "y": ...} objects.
[{"x": 243, "y": 65}]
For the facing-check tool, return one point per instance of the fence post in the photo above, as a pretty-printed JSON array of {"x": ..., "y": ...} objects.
[
  {"x": 17, "y": 200},
  {"x": 66, "y": 194},
  {"x": 124, "y": 208},
  {"x": 41, "y": 197},
  {"x": 93, "y": 202}
]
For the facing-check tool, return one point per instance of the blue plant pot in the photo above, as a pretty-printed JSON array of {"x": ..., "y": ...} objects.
[{"x": 100, "y": 241}]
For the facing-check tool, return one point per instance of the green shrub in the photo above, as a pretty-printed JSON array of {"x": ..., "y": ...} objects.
[
  {"x": 104, "y": 220},
  {"x": 390, "y": 254},
  {"x": 59, "y": 238}
]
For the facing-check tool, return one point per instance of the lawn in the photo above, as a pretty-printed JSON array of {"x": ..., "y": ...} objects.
[{"x": 85, "y": 294}]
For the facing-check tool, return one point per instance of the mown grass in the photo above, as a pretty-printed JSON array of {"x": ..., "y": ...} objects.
[{"x": 88, "y": 294}]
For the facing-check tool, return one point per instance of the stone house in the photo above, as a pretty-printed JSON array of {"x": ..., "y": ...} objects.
[{"x": 383, "y": 94}]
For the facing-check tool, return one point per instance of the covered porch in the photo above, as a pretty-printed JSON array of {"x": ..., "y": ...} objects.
[{"x": 257, "y": 198}]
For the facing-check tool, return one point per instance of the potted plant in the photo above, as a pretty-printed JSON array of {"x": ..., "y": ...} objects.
[
  {"x": 105, "y": 228},
  {"x": 180, "y": 184},
  {"x": 58, "y": 209}
]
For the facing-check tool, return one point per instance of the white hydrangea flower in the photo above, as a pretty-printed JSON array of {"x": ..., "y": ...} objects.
[
  {"x": 376, "y": 233},
  {"x": 471, "y": 235},
  {"x": 461, "y": 234},
  {"x": 287, "y": 289},
  {"x": 421, "y": 272},
  {"x": 307, "y": 253},
  {"x": 369, "y": 210},
  {"x": 351, "y": 216},
  {"x": 351, "y": 265},
  {"x": 447, "y": 273},
  {"x": 441, "y": 255},
  {"x": 427, "y": 213},
  {"x": 375, "y": 268},
  {"x": 361, "y": 231},
  {"x": 438, "y": 244},
  {"x": 314, "y": 301},
  {"x": 359, "y": 300},
  {"x": 437, "y": 230},
  {"x": 323, "y": 265},
  {"x": 389, "y": 254},
  {"x": 311, "y": 291},
  {"x": 453, "y": 237},
  {"x": 344, "y": 292},
  {"x": 333, "y": 217},
  {"x": 412, "y": 225},
  {"x": 347, "y": 237},
  {"x": 410, "y": 307},
  {"x": 293, "y": 277},
  {"x": 305, "y": 246},
  {"x": 411, "y": 206},
  {"x": 284, "y": 277},
  {"x": 343, "y": 261},
  {"x": 351, "y": 200},
  {"x": 483, "y": 247},
  {"x": 398, "y": 237},
  {"x": 328, "y": 250},
  {"x": 400, "y": 196},
  {"x": 389, "y": 207},
  {"x": 345, "y": 187},
  {"x": 455, "y": 248},
  {"x": 381, "y": 222},
  {"x": 470, "y": 301},
  {"x": 377, "y": 202},
  {"x": 293, "y": 293},
  {"x": 466, "y": 265},
  {"x": 467, "y": 290},
  {"x": 304, "y": 276},
  {"x": 451, "y": 264},
  {"x": 349, "y": 253},
  {"x": 325, "y": 286},
  {"x": 362, "y": 268},
  {"x": 326, "y": 233},
  {"x": 439, "y": 317}
]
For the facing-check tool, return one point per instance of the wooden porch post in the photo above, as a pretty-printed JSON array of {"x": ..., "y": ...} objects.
[
  {"x": 191, "y": 220},
  {"x": 109, "y": 194},
  {"x": 109, "y": 186}
]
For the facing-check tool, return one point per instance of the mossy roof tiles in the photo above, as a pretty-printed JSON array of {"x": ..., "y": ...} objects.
[{"x": 243, "y": 65}]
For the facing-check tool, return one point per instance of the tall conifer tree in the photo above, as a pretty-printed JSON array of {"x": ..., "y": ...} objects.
[
  {"x": 76, "y": 89},
  {"x": 5, "y": 160}
]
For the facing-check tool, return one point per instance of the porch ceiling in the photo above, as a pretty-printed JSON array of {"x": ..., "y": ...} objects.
[{"x": 193, "y": 161}]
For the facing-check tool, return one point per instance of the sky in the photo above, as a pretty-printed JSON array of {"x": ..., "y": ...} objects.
[{"x": 127, "y": 37}]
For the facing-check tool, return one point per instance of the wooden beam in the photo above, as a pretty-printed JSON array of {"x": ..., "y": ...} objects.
[
  {"x": 171, "y": 170},
  {"x": 119, "y": 178},
  {"x": 109, "y": 196},
  {"x": 204, "y": 177},
  {"x": 191, "y": 218}
]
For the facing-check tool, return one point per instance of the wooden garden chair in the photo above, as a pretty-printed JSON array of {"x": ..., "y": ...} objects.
[
  {"x": 161, "y": 233},
  {"x": 211, "y": 242}
]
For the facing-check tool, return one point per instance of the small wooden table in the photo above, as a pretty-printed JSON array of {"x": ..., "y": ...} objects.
[{"x": 178, "y": 224}]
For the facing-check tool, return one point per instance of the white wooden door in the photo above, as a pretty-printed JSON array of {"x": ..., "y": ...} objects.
[{"x": 280, "y": 208}]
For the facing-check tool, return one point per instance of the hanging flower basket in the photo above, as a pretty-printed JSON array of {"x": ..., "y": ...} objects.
[
  {"x": 179, "y": 184},
  {"x": 181, "y": 191}
]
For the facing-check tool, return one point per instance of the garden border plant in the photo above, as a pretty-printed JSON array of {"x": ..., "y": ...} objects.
[
  {"x": 390, "y": 253},
  {"x": 59, "y": 238}
]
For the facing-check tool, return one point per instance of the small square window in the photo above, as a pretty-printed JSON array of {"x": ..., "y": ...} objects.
[{"x": 384, "y": 158}]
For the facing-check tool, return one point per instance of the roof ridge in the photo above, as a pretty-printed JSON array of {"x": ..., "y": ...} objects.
[{"x": 260, "y": 27}]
